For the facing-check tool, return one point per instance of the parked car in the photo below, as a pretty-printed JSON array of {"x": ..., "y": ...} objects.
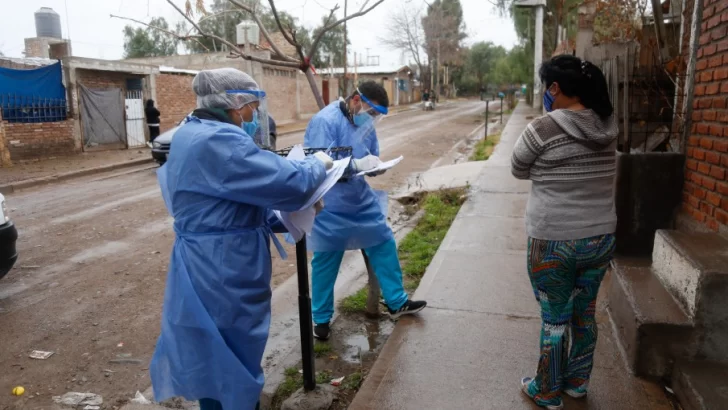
[
  {"x": 161, "y": 145},
  {"x": 8, "y": 237}
]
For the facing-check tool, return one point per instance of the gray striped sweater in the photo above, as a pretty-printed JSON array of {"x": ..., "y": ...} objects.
[{"x": 571, "y": 158}]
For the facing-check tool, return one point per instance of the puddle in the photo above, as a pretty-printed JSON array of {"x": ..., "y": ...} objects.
[{"x": 372, "y": 334}]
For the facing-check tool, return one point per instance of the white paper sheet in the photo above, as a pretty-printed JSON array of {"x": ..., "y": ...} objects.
[
  {"x": 382, "y": 167},
  {"x": 300, "y": 222}
]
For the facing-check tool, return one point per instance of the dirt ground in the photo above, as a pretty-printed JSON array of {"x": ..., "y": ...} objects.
[
  {"x": 89, "y": 284},
  {"x": 38, "y": 169}
]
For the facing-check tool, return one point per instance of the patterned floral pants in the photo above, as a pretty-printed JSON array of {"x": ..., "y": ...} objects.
[{"x": 565, "y": 276}]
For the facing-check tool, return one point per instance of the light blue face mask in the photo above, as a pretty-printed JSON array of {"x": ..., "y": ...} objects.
[
  {"x": 251, "y": 127},
  {"x": 362, "y": 119}
]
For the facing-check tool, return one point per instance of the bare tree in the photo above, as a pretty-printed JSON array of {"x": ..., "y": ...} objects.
[
  {"x": 405, "y": 33},
  {"x": 301, "y": 62}
]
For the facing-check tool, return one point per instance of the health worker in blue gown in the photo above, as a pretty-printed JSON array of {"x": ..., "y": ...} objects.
[
  {"x": 220, "y": 188},
  {"x": 354, "y": 215}
]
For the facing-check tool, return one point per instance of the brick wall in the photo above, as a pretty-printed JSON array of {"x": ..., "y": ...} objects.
[
  {"x": 102, "y": 79},
  {"x": 43, "y": 140},
  {"x": 175, "y": 98},
  {"x": 706, "y": 186}
]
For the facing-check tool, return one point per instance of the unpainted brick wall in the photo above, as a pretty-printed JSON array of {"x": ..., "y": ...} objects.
[
  {"x": 42, "y": 140},
  {"x": 280, "y": 88},
  {"x": 175, "y": 98},
  {"x": 706, "y": 186},
  {"x": 102, "y": 79}
]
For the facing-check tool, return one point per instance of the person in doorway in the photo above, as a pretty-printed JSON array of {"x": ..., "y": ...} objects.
[
  {"x": 570, "y": 155},
  {"x": 220, "y": 188},
  {"x": 354, "y": 216},
  {"x": 152, "y": 114}
]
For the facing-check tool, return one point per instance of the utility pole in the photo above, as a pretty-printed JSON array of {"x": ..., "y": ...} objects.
[
  {"x": 438, "y": 67},
  {"x": 346, "y": 51},
  {"x": 432, "y": 77},
  {"x": 537, "y": 58}
]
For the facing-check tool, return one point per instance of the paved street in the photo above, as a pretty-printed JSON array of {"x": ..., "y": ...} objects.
[{"x": 94, "y": 251}]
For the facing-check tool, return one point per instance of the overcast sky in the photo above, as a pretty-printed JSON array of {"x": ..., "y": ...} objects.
[{"x": 94, "y": 34}]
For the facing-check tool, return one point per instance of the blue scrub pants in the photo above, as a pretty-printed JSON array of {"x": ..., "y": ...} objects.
[{"x": 325, "y": 268}]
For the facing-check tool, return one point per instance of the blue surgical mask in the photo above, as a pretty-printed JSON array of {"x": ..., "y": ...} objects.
[
  {"x": 548, "y": 101},
  {"x": 362, "y": 119},
  {"x": 251, "y": 127}
]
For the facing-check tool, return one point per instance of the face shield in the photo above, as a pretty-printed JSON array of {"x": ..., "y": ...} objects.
[
  {"x": 259, "y": 128},
  {"x": 368, "y": 117}
]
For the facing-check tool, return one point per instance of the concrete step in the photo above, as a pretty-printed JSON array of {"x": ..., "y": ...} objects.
[
  {"x": 694, "y": 269},
  {"x": 682, "y": 261},
  {"x": 650, "y": 325},
  {"x": 701, "y": 385}
]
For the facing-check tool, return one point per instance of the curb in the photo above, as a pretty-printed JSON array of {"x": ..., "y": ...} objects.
[{"x": 29, "y": 183}]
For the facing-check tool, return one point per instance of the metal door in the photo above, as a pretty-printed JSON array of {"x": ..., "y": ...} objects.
[
  {"x": 135, "y": 136},
  {"x": 325, "y": 91},
  {"x": 102, "y": 116}
]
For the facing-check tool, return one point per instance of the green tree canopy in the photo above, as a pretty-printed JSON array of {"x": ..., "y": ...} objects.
[
  {"x": 331, "y": 43},
  {"x": 444, "y": 29},
  {"x": 149, "y": 42},
  {"x": 482, "y": 59}
]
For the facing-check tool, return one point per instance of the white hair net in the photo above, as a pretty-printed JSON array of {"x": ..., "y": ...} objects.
[{"x": 212, "y": 86}]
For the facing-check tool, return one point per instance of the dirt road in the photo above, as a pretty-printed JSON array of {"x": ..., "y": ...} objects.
[{"x": 90, "y": 280}]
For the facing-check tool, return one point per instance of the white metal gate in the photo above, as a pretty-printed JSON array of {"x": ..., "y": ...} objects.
[{"x": 135, "y": 119}]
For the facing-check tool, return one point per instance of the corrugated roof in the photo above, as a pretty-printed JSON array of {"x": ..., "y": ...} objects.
[
  {"x": 166, "y": 69},
  {"x": 30, "y": 61},
  {"x": 362, "y": 70}
]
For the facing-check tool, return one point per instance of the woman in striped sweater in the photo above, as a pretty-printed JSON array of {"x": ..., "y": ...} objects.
[{"x": 570, "y": 156}]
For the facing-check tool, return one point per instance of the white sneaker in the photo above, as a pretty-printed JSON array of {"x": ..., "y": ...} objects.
[{"x": 524, "y": 388}]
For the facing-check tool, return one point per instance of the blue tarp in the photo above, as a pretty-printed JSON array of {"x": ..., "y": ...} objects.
[
  {"x": 44, "y": 82},
  {"x": 35, "y": 95}
]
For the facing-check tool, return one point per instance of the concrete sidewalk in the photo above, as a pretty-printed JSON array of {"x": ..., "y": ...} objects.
[{"x": 480, "y": 333}]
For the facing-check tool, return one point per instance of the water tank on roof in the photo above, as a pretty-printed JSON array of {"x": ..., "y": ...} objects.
[
  {"x": 249, "y": 29},
  {"x": 47, "y": 23}
]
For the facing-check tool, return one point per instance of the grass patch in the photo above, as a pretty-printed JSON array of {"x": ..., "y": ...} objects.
[
  {"x": 321, "y": 349},
  {"x": 293, "y": 382},
  {"x": 323, "y": 377},
  {"x": 484, "y": 148},
  {"x": 419, "y": 247},
  {"x": 290, "y": 385},
  {"x": 356, "y": 303},
  {"x": 353, "y": 381}
]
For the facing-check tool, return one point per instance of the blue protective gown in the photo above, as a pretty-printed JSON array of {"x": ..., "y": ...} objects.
[
  {"x": 219, "y": 186},
  {"x": 354, "y": 214}
]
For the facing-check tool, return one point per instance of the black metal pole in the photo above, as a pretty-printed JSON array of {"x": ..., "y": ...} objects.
[
  {"x": 487, "y": 103},
  {"x": 305, "y": 318}
]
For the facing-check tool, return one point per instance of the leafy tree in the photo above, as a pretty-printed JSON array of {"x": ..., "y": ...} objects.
[
  {"x": 149, "y": 42},
  {"x": 331, "y": 43},
  {"x": 444, "y": 29},
  {"x": 513, "y": 68},
  {"x": 482, "y": 60}
]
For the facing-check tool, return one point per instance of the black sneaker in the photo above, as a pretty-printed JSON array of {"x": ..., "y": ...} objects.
[
  {"x": 322, "y": 331},
  {"x": 409, "y": 308}
]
